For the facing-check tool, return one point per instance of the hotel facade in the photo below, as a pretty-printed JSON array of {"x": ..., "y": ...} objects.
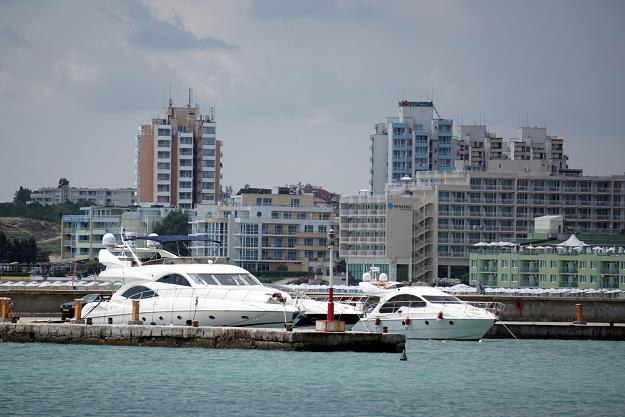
[
  {"x": 449, "y": 212},
  {"x": 266, "y": 230}
]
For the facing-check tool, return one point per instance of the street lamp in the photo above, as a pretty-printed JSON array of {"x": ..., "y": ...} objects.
[{"x": 331, "y": 249}]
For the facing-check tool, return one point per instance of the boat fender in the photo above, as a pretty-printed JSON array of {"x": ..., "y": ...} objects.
[
  {"x": 408, "y": 321},
  {"x": 377, "y": 321},
  {"x": 440, "y": 315}
]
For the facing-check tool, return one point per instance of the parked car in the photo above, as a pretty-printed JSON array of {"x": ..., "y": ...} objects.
[{"x": 67, "y": 309}]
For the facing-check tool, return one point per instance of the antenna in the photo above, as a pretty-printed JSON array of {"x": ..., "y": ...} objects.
[
  {"x": 190, "y": 97},
  {"x": 171, "y": 102}
]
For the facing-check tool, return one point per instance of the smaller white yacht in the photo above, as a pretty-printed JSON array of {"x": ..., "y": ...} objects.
[
  {"x": 423, "y": 312},
  {"x": 166, "y": 304}
]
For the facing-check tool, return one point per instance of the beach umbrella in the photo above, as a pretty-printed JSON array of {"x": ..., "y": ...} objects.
[{"x": 481, "y": 244}]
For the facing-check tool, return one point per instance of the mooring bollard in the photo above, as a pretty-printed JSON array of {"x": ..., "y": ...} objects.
[
  {"x": 195, "y": 323},
  {"x": 78, "y": 312},
  {"x": 5, "y": 309},
  {"x": 135, "y": 313},
  {"x": 579, "y": 314}
]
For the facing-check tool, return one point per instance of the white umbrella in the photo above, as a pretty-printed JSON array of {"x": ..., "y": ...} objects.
[
  {"x": 481, "y": 244},
  {"x": 572, "y": 241}
]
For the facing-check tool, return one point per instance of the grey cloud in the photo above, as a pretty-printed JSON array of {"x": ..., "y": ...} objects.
[
  {"x": 12, "y": 38},
  {"x": 329, "y": 9},
  {"x": 158, "y": 34}
]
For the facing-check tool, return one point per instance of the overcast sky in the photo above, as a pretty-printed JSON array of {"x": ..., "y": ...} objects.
[{"x": 298, "y": 85}]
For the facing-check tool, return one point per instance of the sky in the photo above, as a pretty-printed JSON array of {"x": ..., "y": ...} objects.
[{"x": 297, "y": 86}]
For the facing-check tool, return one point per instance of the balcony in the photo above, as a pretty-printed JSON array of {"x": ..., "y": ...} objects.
[
  {"x": 568, "y": 284},
  {"x": 570, "y": 270}
]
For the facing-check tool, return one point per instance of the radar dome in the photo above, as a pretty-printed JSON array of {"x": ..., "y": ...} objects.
[
  {"x": 383, "y": 277},
  {"x": 108, "y": 240},
  {"x": 366, "y": 277},
  {"x": 152, "y": 243}
]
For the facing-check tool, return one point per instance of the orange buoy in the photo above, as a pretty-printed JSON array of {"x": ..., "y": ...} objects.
[{"x": 377, "y": 321}]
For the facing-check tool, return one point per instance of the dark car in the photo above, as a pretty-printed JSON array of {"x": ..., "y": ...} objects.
[{"x": 67, "y": 309}]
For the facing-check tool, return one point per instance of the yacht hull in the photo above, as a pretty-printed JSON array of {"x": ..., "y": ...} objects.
[
  {"x": 433, "y": 328},
  {"x": 163, "y": 313}
]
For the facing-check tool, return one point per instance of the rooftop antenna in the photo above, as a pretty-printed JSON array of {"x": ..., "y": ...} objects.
[
  {"x": 171, "y": 102},
  {"x": 190, "y": 98}
]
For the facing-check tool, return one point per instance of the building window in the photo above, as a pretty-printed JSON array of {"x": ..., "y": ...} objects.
[
  {"x": 208, "y": 141},
  {"x": 208, "y": 130},
  {"x": 309, "y": 228},
  {"x": 295, "y": 202}
]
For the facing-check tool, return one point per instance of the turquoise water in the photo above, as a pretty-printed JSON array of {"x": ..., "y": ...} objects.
[{"x": 491, "y": 378}]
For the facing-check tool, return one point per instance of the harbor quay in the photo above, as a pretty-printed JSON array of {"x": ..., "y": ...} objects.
[
  {"x": 556, "y": 330},
  {"x": 202, "y": 337}
]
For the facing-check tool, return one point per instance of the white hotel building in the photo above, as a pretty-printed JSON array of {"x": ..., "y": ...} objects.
[
  {"x": 265, "y": 230},
  {"x": 424, "y": 229}
]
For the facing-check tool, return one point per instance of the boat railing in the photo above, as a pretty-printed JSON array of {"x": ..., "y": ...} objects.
[{"x": 490, "y": 306}]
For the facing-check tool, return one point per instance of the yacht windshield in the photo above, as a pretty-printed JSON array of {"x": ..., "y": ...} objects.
[{"x": 442, "y": 299}]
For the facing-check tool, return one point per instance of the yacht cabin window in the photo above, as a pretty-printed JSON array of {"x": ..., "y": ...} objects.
[
  {"x": 174, "y": 279},
  {"x": 226, "y": 279},
  {"x": 139, "y": 292},
  {"x": 401, "y": 300}
]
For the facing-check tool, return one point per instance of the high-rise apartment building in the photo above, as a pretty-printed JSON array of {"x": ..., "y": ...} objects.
[
  {"x": 179, "y": 158},
  {"x": 413, "y": 142}
]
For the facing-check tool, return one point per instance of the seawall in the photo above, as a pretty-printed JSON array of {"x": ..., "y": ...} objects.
[{"x": 205, "y": 337}]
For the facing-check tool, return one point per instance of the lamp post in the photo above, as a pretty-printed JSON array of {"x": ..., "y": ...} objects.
[{"x": 331, "y": 249}]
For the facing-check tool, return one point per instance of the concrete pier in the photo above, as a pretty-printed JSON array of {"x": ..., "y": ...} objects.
[
  {"x": 556, "y": 330},
  {"x": 206, "y": 337}
]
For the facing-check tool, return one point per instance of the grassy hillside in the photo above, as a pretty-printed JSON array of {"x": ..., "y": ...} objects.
[{"x": 47, "y": 234}]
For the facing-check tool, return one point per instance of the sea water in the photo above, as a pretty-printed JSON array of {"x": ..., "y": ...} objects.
[{"x": 488, "y": 378}]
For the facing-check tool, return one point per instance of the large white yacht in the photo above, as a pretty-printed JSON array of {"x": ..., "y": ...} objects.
[
  {"x": 166, "y": 304},
  {"x": 124, "y": 264},
  {"x": 423, "y": 312}
]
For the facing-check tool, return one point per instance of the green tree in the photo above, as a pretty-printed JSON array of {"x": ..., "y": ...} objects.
[
  {"x": 175, "y": 223},
  {"x": 22, "y": 196},
  {"x": 63, "y": 182}
]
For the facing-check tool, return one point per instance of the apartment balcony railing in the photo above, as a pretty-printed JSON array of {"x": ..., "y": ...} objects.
[
  {"x": 568, "y": 270},
  {"x": 568, "y": 284}
]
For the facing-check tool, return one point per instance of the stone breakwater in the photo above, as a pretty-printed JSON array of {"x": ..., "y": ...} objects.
[{"x": 204, "y": 337}]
